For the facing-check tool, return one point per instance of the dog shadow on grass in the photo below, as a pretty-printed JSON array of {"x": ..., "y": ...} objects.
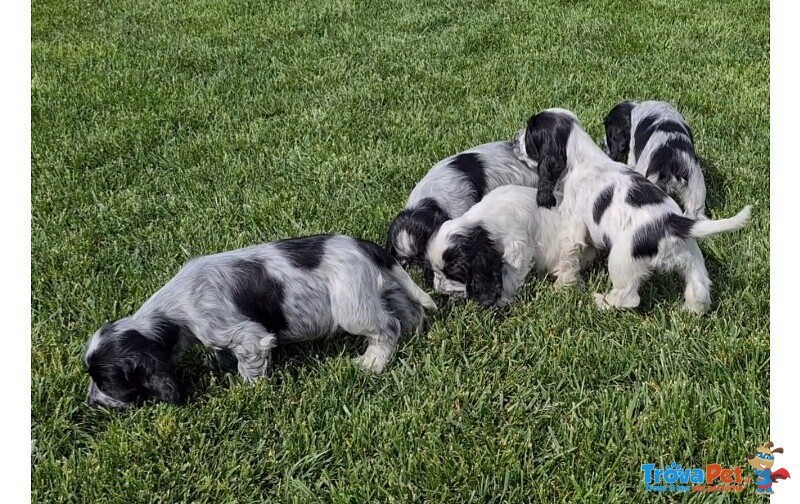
[
  {"x": 716, "y": 187},
  {"x": 198, "y": 369}
]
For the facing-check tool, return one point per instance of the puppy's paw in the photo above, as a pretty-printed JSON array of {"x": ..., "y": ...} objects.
[
  {"x": 568, "y": 281},
  {"x": 370, "y": 363},
  {"x": 696, "y": 307},
  {"x": 601, "y": 302},
  {"x": 428, "y": 302}
]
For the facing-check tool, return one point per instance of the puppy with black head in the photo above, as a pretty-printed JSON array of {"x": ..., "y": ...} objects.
[
  {"x": 449, "y": 189},
  {"x": 487, "y": 253},
  {"x": 245, "y": 302},
  {"x": 607, "y": 205},
  {"x": 653, "y": 138}
]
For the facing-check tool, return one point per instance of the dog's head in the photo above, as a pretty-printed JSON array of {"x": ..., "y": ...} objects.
[
  {"x": 126, "y": 366},
  {"x": 618, "y": 132},
  {"x": 545, "y": 140},
  {"x": 764, "y": 458},
  {"x": 411, "y": 230},
  {"x": 466, "y": 262}
]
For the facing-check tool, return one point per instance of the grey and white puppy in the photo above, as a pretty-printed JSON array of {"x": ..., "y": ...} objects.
[
  {"x": 653, "y": 138},
  {"x": 244, "y": 302},
  {"x": 451, "y": 188}
]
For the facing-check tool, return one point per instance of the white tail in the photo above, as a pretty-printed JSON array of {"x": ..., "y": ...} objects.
[
  {"x": 413, "y": 290},
  {"x": 702, "y": 228}
]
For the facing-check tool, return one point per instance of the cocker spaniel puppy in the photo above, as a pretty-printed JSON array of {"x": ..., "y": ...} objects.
[
  {"x": 610, "y": 206},
  {"x": 487, "y": 253},
  {"x": 653, "y": 138},
  {"x": 449, "y": 189},
  {"x": 245, "y": 302}
]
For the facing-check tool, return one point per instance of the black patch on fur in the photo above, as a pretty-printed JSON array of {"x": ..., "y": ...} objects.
[
  {"x": 304, "y": 253},
  {"x": 643, "y": 192},
  {"x": 649, "y": 125},
  {"x": 546, "y": 139},
  {"x": 470, "y": 165},
  {"x": 647, "y": 238},
  {"x": 602, "y": 203},
  {"x": 377, "y": 254},
  {"x": 473, "y": 259},
  {"x": 420, "y": 223},
  {"x": 668, "y": 162},
  {"x": 618, "y": 131},
  {"x": 408, "y": 312},
  {"x": 129, "y": 366},
  {"x": 259, "y": 295},
  {"x": 679, "y": 226}
]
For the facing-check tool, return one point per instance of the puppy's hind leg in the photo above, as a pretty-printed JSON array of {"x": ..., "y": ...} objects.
[
  {"x": 252, "y": 345},
  {"x": 626, "y": 275},
  {"x": 381, "y": 347},
  {"x": 697, "y": 295},
  {"x": 382, "y": 330},
  {"x": 573, "y": 242}
]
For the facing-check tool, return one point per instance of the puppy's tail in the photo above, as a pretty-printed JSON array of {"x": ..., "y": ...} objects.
[
  {"x": 683, "y": 227},
  {"x": 414, "y": 291}
]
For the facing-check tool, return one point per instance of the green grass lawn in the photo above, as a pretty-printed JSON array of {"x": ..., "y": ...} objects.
[{"x": 167, "y": 130}]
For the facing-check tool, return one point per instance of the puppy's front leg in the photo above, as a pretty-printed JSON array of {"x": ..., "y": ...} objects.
[
  {"x": 572, "y": 243},
  {"x": 252, "y": 345},
  {"x": 513, "y": 279}
]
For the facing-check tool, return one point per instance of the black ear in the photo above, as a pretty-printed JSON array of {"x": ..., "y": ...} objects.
[
  {"x": 618, "y": 139},
  {"x": 150, "y": 359},
  {"x": 618, "y": 131},
  {"x": 427, "y": 272},
  {"x": 530, "y": 144},
  {"x": 550, "y": 170},
  {"x": 485, "y": 282},
  {"x": 163, "y": 386}
]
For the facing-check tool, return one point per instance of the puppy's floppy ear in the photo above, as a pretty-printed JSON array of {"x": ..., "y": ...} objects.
[
  {"x": 530, "y": 144},
  {"x": 163, "y": 386},
  {"x": 485, "y": 282},
  {"x": 550, "y": 170},
  {"x": 618, "y": 141},
  {"x": 427, "y": 272},
  {"x": 151, "y": 362},
  {"x": 618, "y": 132}
]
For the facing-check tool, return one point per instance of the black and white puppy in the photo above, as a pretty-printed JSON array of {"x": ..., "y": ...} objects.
[
  {"x": 487, "y": 253},
  {"x": 449, "y": 189},
  {"x": 244, "y": 302},
  {"x": 653, "y": 138},
  {"x": 607, "y": 205}
]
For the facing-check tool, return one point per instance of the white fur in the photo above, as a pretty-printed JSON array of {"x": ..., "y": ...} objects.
[{"x": 526, "y": 235}]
